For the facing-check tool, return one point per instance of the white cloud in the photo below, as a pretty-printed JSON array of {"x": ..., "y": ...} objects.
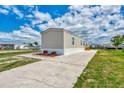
[
  {"x": 7, "y": 6},
  {"x": 3, "y": 35},
  {"x": 25, "y": 34},
  {"x": 86, "y": 21},
  {"x": 40, "y": 17},
  {"x": 29, "y": 16},
  {"x": 13, "y": 9},
  {"x": 4, "y": 11},
  {"x": 89, "y": 22},
  {"x": 17, "y": 12}
]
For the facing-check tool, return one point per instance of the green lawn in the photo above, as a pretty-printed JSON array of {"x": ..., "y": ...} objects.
[
  {"x": 105, "y": 70},
  {"x": 16, "y": 63},
  {"x": 9, "y": 53},
  {"x": 9, "y": 60}
]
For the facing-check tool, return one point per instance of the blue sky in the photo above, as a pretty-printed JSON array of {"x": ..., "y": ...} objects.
[
  {"x": 13, "y": 23},
  {"x": 96, "y": 24}
]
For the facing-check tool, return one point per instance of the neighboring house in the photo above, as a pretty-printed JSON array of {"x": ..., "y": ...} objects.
[
  {"x": 20, "y": 46},
  {"x": 13, "y": 46},
  {"x": 61, "y": 41},
  {"x": 7, "y": 46}
]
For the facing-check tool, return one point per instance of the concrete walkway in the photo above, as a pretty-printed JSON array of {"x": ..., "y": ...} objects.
[{"x": 58, "y": 72}]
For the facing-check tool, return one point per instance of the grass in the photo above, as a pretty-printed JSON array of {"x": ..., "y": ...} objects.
[
  {"x": 9, "y": 60},
  {"x": 14, "y": 53},
  {"x": 23, "y": 61},
  {"x": 105, "y": 70}
]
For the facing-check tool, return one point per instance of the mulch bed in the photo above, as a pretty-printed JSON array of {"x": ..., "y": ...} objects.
[{"x": 47, "y": 55}]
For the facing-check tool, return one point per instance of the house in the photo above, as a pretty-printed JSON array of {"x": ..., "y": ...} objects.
[
  {"x": 7, "y": 46},
  {"x": 20, "y": 46},
  {"x": 61, "y": 41}
]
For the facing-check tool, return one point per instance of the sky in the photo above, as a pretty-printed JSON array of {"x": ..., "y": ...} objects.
[{"x": 95, "y": 24}]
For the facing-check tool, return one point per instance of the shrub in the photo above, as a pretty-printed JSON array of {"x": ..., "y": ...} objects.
[
  {"x": 45, "y": 52},
  {"x": 53, "y": 53},
  {"x": 87, "y": 48}
]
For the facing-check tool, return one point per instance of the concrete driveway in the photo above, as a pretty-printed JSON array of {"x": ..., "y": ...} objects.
[{"x": 58, "y": 72}]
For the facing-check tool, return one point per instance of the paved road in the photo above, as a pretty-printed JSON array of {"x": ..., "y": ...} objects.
[{"x": 58, "y": 72}]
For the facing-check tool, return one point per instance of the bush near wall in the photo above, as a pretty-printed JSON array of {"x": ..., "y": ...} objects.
[{"x": 87, "y": 48}]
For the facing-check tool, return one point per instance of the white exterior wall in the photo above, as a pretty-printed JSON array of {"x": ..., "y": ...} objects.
[
  {"x": 60, "y": 41},
  {"x": 72, "y": 50}
]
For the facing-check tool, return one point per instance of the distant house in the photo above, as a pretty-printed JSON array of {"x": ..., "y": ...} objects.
[
  {"x": 7, "y": 46},
  {"x": 61, "y": 41},
  {"x": 13, "y": 46},
  {"x": 20, "y": 46}
]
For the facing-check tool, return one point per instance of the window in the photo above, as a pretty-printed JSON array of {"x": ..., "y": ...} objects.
[
  {"x": 81, "y": 42},
  {"x": 72, "y": 40}
]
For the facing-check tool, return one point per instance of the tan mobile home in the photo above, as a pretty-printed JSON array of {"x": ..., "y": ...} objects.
[{"x": 61, "y": 41}]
